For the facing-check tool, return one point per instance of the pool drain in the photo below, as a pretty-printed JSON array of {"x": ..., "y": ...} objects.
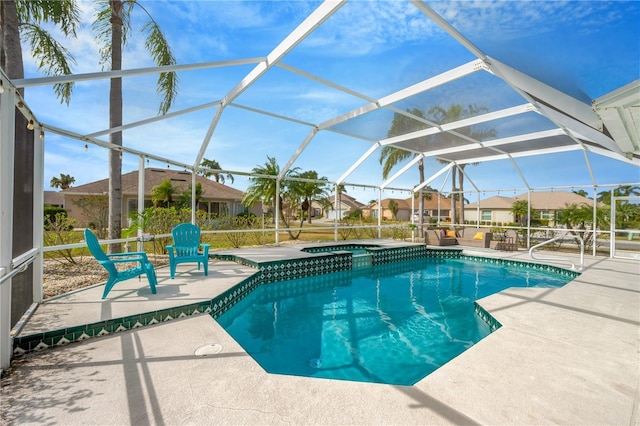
[
  {"x": 210, "y": 349},
  {"x": 315, "y": 363}
]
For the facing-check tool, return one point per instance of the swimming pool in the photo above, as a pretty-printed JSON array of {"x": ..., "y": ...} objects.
[{"x": 392, "y": 323}]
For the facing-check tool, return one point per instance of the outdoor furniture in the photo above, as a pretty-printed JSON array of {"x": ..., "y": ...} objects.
[
  {"x": 186, "y": 248},
  {"x": 109, "y": 261}
]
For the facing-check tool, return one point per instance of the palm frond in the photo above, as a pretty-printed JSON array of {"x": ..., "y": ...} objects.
[
  {"x": 64, "y": 13},
  {"x": 51, "y": 56},
  {"x": 156, "y": 43}
]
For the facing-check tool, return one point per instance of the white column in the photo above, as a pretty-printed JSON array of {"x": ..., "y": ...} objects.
[
  {"x": 140, "y": 200},
  {"x": 277, "y": 212},
  {"x": 38, "y": 208},
  {"x": 7, "y": 140}
]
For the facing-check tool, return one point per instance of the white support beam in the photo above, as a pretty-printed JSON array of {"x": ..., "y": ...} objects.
[
  {"x": 38, "y": 208},
  {"x": 7, "y": 160},
  {"x": 105, "y": 75},
  {"x": 207, "y": 137},
  {"x": 495, "y": 115},
  {"x": 299, "y": 151},
  {"x": 357, "y": 164},
  {"x": 433, "y": 177},
  {"x": 423, "y": 86},
  {"x": 560, "y": 101},
  {"x": 141, "y": 191},
  {"x": 313, "y": 21},
  {"x": 401, "y": 171},
  {"x": 449, "y": 29},
  {"x": 109, "y": 145},
  {"x": 153, "y": 119}
]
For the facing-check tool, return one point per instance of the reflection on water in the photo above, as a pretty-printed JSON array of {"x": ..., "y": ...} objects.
[{"x": 392, "y": 323}]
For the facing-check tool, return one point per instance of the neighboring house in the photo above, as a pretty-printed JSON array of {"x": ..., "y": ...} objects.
[
  {"x": 437, "y": 205},
  {"x": 53, "y": 199},
  {"x": 216, "y": 198},
  {"x": 346, "y": 205},
  {"x": 545, "y": 204}
]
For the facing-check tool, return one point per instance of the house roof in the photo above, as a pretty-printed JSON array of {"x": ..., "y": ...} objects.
[
  {"x": 432, "y": 204},
  {"x": 495, "y": 202},
  {"x": 348, "y": 201},
  {"x": 555, "y": 200},
  {"x": 153, "y": 177},
  {"x": 53, "y": 198}
]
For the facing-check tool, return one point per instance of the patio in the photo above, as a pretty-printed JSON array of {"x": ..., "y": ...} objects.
[{"x": 566, "y": 356}]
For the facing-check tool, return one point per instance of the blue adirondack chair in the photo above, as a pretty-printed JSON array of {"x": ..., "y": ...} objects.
[
  {"x": 109, "y": 261},
  {"x": 186, "y": 248}
]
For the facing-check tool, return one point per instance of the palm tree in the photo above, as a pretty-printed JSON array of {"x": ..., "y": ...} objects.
[
  {"x": 455, "y": 113},
  {"x": 621, "y": 191},
  {"x": 214, "y": 165},
  {"x": 262, "y": 188},
  {"x": 112, "y": 26},
  {"x": 309, "y": 191},
  {"x": 163, "y": 193},
  {"x": 186, "y": 195},
  {"x": 25, "y": 19},
  {"x": 63, "y": 182},
  {"x": 519, "y": 209},
  {"x": 391, "y": 156}
]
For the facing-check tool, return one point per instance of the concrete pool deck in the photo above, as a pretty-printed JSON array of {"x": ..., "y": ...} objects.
[{"x": 562, "y": 356}]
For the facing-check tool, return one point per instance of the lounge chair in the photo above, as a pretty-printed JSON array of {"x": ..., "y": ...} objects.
[
  {"x": 186, "y": 248},
  {"x": 109, "y": 261}
]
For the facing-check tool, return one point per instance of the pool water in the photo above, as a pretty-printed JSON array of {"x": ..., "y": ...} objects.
[{"x": 392, "y": 323}]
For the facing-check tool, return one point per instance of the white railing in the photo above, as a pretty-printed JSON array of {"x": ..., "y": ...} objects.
[
  {"x": 560, "y": 259},
  {"x": 19, "y": 264}
]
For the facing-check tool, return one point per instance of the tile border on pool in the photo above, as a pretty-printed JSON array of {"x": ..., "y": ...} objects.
[{"x": 267, "y": 272}]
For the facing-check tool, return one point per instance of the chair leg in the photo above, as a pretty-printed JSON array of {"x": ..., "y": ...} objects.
[
  {"x": 205, "y": 266},
  {"x": 151, "y": 277},
  {"x": 108, "y": 286}
]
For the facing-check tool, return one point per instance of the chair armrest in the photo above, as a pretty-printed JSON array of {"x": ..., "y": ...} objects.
[
  {"x": 126, "y": 260},
  {"x": 131, "y": 254},
  {"x": 205, "y": 248}
]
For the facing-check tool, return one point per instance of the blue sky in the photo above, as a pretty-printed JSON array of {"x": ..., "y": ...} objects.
[{"x": 585, "y": 48}]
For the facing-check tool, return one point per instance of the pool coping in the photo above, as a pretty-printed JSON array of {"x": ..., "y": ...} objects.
[{"x": 267, "y": 271}]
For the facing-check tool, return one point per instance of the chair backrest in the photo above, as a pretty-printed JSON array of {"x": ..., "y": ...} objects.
[
  {"x": 186, "y": 239},
  {"x": 97, "y": 252}
]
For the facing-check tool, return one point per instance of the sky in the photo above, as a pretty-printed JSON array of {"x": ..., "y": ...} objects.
[{"x": 584, "y": 48}]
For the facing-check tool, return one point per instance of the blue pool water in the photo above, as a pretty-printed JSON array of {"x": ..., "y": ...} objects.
[{"x": 392, "y": 323}]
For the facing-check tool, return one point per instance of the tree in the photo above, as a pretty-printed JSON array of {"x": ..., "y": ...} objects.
[
  {"x": 456, "y": 113},
  {"x": 309, "y": 191},
  {"x": 582, "y": 193},
  {"x": 163, "y": 193},
  {"x": 391, "y": 156},
  {"x": 63, "y": 182},
  {"x": 24, "y": 19},
  {"x": 185, "y": 199},
  {"x": 393, "y": 207},
  {"x": 263, "y": 189},
  {"x": 621, "y": 191},
  {"x": 112, "y": 26},
  {"x": 575, "y": 219},
  {"x": 519, "y": 209},
  {"x": 214, "y": 165}
]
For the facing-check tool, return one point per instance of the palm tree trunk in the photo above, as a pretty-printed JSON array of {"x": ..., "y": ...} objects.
[
  {"x": 453, "y": 195},
  {"x": 11, "y": 54},
  {"x": 115, "y": 120}
]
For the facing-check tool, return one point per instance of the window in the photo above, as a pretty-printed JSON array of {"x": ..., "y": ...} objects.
[
  {"x": 545, "y": 214},
  {"x": 486, "y": 215}
]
